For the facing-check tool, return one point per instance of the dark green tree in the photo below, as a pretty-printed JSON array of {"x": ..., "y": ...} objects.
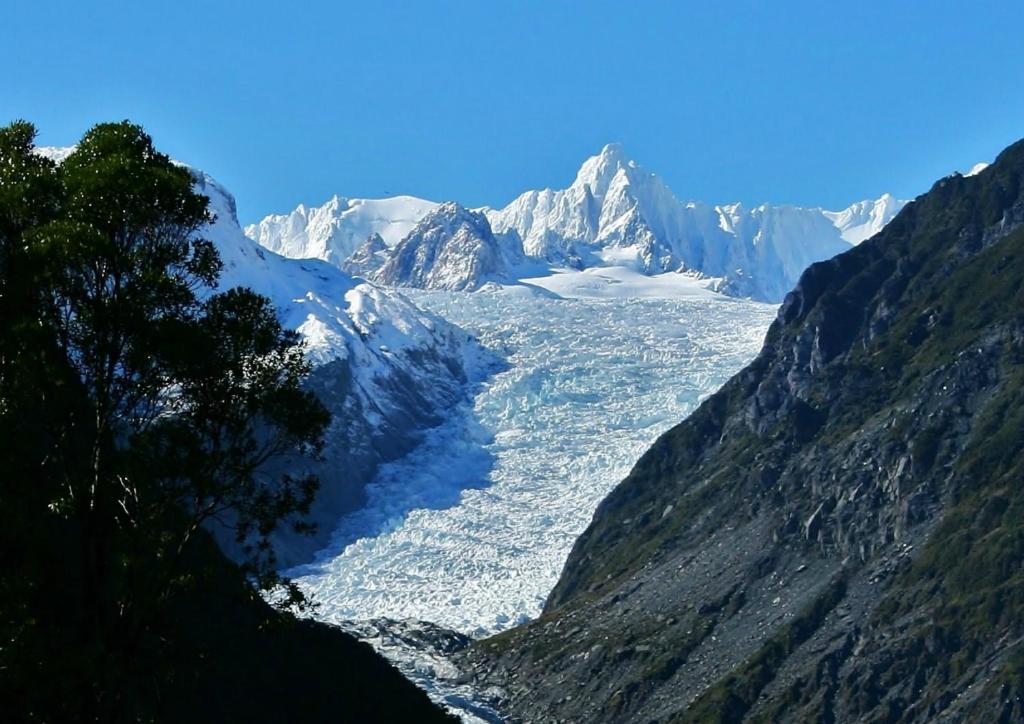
[{"x": 138, "y": 404}]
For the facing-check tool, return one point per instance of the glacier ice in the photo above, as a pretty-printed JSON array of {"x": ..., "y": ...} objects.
[{"x": 471, "y": 529}]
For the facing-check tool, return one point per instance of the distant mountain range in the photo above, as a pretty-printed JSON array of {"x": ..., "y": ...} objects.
[{"x": 614, "y": 214}]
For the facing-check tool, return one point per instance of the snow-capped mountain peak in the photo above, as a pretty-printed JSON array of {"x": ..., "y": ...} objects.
[
  {"x": 614, "y": 213},
  {"x": 864, "y": 219},
  {"x": 598, "y": 172},
  {"x": 609, "y": 189},
  {"x": 334, "y": 230},
  {"x": 452, "y": 248}
]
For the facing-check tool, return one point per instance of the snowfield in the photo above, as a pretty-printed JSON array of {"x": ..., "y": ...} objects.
[
  {"x": 471, "y": 529},
  {"x": 621, "y": 282}
]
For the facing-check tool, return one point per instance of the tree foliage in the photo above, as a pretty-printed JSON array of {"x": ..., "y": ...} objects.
[{"x": 139, "y": 403}]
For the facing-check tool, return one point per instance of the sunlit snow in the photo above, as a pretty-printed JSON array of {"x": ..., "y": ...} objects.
[{"x": 471, "y": 530}]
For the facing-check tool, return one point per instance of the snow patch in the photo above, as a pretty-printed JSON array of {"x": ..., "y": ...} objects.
[{"x": 977, "y": 168}]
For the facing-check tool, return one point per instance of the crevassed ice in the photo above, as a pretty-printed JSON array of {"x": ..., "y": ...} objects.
[{"x": 470, "y": 531}]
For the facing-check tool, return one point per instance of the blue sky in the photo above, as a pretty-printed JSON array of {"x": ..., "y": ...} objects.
[{"x": 816, "y": 103}]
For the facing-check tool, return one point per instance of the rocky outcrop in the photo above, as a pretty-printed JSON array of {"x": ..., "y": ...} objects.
[
  {"x": 368, "y": 257},
  {"x": 838, "y": 533},
  {"x": 451, "y": 248}
]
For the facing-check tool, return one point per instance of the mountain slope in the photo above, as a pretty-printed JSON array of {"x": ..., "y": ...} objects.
[
  {"x": 836, "y": 535},
  {"x": 386, "y": 369},
  {"x": 450, "y": 248}
]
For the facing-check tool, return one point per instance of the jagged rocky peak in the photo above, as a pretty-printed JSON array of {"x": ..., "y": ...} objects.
[
  {"x": 560, "y": 226},
  {"x": 452, "y": 212},
  {"x": 368, "y": 257},
  {"x": 597, "y": 172},
  {"x": 835, "y": 535},
  {"x": 451, "y": 248}
]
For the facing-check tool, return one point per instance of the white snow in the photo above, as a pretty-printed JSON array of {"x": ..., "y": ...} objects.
[
  {"x": 385, "y": 338},
  {"x": 977, "y": 168},
  {"x": 55, "y": 153},
  {"x": 864, "y": 219},
  {"x": 333, "y": 231},
  {"x": 622, "y": 282},
  {"x": 471, "y": 529},
  {"x": 614, "y": 213}
]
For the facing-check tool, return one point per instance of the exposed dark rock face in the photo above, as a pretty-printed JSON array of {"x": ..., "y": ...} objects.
[
  {"x": 450, "y": 248},
  {"x": 838, "y": 533},
  {"x": 367, "y": 258}
]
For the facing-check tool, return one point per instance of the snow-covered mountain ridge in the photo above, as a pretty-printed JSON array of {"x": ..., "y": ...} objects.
[
  {"x": 333, "y": 231},
  {"x": 450, "y": 248},
  {"x": 386, "y": 368},
  {"x": 614, "y": 214}
]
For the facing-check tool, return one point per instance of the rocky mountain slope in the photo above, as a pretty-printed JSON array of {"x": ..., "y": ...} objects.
[
  {"x": 368, "y": 257},
  {"x": 836, "y": 535},
  {"x": 450, "y": 248},
  {"x": 615, "y": 213},
  {"x": 386, "y": 369}
]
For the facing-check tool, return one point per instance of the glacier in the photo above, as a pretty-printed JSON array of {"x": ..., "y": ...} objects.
[{"x": 469, "y": 531}]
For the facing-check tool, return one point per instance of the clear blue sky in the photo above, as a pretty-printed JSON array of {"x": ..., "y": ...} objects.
[{"x": 792, "y": 102}]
